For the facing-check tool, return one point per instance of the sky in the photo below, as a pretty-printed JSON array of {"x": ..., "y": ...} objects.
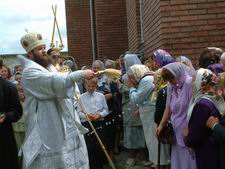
[{"x": 34, "y": 15}]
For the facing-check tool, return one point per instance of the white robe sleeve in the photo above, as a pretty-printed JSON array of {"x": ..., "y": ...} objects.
[
  {"x": 80, "y": 111},
  {"x": 48, "y": 85}
]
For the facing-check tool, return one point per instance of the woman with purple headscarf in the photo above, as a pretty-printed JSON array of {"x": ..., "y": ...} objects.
[
  {"x": 162, "y": 57},
  {"x": 216, "y": 68},
  {"x": 179, "y": 94}
]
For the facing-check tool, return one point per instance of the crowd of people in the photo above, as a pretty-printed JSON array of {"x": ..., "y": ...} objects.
[{"x": 57, "y": 101}]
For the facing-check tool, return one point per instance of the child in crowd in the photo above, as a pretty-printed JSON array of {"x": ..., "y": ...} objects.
[{"x": 94, "y": 104}]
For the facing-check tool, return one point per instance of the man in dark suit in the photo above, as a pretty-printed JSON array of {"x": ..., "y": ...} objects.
[
  {"x": 10, "y": 111},
  {"x": 218, "y": 128}
]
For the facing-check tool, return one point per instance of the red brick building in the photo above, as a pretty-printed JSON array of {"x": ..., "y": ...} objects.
[
  {"x": 96, "y": 29},
  {"x": 182, "y": 27}
]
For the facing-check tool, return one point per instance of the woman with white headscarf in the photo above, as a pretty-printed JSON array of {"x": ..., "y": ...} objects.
[
  {"x": 133, "y": 134},
  {"x": 141, "y": 80},
  {"x": 206, "y": 103}
]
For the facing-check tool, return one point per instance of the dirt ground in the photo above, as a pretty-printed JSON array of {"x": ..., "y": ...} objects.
[{"x": 120, "y": 162}]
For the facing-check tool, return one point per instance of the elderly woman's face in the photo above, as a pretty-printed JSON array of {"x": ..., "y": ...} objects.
[
  {"x": 108, "y": 65},
  {"x": 96, "y": 67},
  {"x": 132, "y": 80}
]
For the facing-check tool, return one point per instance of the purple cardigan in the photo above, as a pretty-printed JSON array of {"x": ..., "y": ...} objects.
[{"x": 201, "y": 138}]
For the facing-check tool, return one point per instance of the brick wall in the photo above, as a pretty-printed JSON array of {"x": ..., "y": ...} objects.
[
  {"x": 188, "y": 26},
  {"x": 152, "y": 26},
  {"x": 79, "y": 31},
  {"x": 111, "y": 28},
  {"x": 183, "y": 27},
  {"x": 151, "y": 16},
  {"x": 133, "y": 25}
]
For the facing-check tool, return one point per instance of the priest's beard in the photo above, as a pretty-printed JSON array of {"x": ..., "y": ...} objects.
[{"x": 43, "y": 60}]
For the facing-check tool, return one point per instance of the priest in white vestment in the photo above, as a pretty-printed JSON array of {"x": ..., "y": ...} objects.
[{"x": 54, "y": 135}]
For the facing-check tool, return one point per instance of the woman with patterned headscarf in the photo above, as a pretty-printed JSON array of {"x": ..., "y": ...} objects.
[
  {"x": 218, "y": 126},
  {"x": 141, "y": 80},
  {"x": 179, "y": 94},
  {"x": 207, "y": 103},
  {"x": 162, "y": 58}
]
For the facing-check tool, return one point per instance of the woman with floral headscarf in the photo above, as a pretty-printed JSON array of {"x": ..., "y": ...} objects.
[
  {"x": 179, "y": 94},
  {"x": 141, "y": 80},
  {"x": 218, "y": 126},
  {"x": 207, "y": 103}
]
